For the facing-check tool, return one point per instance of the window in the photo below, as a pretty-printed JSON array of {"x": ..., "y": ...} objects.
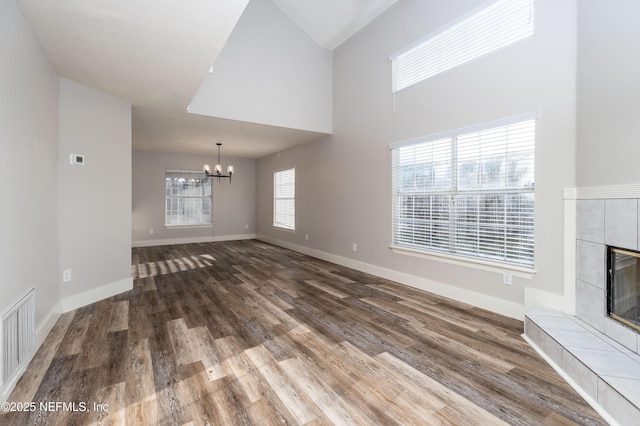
[
  {"x": 484, "y": 31},
  {"x": 284, "y": 199},
  {"x": 187, "y": 198},
  {"x": 468, "y": 193}
]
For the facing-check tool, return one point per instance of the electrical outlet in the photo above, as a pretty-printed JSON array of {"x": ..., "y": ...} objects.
[
  {"x": 354, "y": 247},
  {"x": 150, "y": 231},
  {"x": 507, "y": 278},
  {"x": 66, "y": 275},
  {"x": 246, "y": 226},
  {"x": 306, "y": 237}
]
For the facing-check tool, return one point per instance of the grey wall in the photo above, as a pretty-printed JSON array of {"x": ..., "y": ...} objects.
[
  {"x": 233, "y": 203},
  {"x": 343, "y": 193},
  {"x": 608, "y": 93},
  {"x": 94, "y": 204},
  {"x": 28, "y": 167}
]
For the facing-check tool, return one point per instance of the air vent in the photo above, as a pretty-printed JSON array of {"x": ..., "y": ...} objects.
[{"x": 18, "y": 336}]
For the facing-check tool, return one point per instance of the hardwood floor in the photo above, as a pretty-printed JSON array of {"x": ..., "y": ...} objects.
[{"x": 247, "y": 333}]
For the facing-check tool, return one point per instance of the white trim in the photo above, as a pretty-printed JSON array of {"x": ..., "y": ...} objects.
[
  {"x": 500, "y": 306},
  {"x": 570, "y": 255},
  {"x": 192, "y": 172},
  {"x": 536, "y": 298},
  {"x": 208, "y": 239},
  {"x": 605, "y": 192},
  {"x": 588, "y": 398},
  {"x": 284, "y": 228},
  {"x": 467, "y": 262},
  {"x": 187, "y": 226},
  {"x": 533, "y": 115},
  {"x": 75, "y": 301},
  {"x": 46, "y": 325},
  {"x": 42, "y": 331}
]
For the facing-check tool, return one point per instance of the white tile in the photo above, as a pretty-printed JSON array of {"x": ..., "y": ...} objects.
[
  {"x": 551, "y": 348},
  {"x": 532, "y": 331},
  {"x": 590, "y": 220},
  {"x": 590, "y": 305},
  {"x": 579, "y": 373},
  {"x": 621, "y": 334},
  {"x": 546, "y": 323},
  {"x": 625, "y": 413},
  {"x": 585, "y": 340},
  {"x": 629, "y": 388},
  {"x": 591, "y": 259},
  {"x": 621, "y": 223},
  {"x": 601, "y": 336},
  {"x": 605, "y": 363}
]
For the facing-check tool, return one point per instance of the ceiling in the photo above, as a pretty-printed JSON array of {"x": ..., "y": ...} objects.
[{"x": 156, "y": 53}]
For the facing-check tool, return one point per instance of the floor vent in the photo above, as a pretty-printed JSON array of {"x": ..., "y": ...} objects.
[{"x": 18, "y": 335}]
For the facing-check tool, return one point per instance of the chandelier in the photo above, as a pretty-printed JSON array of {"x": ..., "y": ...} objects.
[{"x": 217, "y": 171}]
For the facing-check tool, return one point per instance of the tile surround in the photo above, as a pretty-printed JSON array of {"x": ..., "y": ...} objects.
[
  {"x": 590, "y": 221},
  {"x": 604, "y": 370},
  {"x": 621, "y": 223},
  {"x": 598, "y": 354},
  {"x": 599, "y": 223}
]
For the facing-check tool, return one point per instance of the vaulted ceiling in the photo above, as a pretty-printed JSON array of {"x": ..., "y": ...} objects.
[{"x": 156, "y": 53}]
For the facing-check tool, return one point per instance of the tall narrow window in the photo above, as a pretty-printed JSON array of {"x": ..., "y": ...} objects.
[
  {"x": 484, "y": 31},
  {"x": 284, "y": 199},
  {"x": 468, "y": 193},
  {"x": 187, "y": 198}
]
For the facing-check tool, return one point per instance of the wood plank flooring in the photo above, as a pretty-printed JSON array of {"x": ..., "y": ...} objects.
[{"x": 245, "y": 333}]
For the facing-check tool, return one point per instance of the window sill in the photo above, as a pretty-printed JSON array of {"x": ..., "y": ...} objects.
[
  {"x": 480, "y": 264},
  {"x": 280, "y": 228},
  {"x": 203, "y": 225}
]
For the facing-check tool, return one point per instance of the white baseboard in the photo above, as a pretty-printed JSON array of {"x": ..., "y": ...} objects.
[
  {"x": 76, "y": 301},
  {"x": 42, "y": 331},
  {"x": 535, "y": 298},
  {"x": 493, "y": 304},
  {"x": 209, "y": 239}
]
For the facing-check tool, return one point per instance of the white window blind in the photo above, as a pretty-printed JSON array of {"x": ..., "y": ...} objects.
[
  {"x": 187, "y": 198},
  {"x": 486, "y": 30},
  {"x": 468, "y": 194},
  {"x": 284, "y": 199}
]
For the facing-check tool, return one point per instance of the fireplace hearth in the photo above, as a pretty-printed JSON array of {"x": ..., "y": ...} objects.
[{"x": 623, "y": 286}]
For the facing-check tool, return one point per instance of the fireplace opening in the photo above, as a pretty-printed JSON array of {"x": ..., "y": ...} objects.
[{"x": 623, "y": 286}]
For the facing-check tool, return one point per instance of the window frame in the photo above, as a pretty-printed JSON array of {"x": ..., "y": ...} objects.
[
  {"x": 450, "y": 255},
  {"x": 278, "y": 224},
  {"x": 188, "y": 174}
]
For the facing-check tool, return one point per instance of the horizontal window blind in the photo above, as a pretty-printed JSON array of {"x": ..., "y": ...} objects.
[
  {"x": 187, "y": 198},
  {"x": 487, "y": 30},
  {"x": 469, "y": 194},
  {"x": 284, "y": 199}
]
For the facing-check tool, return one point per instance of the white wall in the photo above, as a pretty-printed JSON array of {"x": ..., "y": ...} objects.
[
  {"x": 608, "y": 93},
  {"x": 233, "y": 203},
  {"x": 94, "y": 204},
  {"x": 28, "y": 167},
  {"x": 269, "y": 72},
  {"x": 344, "y": 181}
]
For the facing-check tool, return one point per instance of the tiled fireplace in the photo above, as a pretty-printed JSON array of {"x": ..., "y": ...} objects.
[
  {"x": 596, "y": 353},
  {"x": 602, "y": 223}
]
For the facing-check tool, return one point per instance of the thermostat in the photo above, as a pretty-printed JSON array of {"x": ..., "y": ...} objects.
[{"x": 76, "y": 159}]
